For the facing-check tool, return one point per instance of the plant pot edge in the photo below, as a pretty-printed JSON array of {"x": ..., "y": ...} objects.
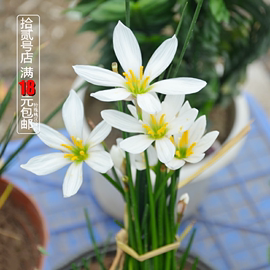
[
  {"x": 112, "y": 247},
  {"x": 42, "y": 229}
]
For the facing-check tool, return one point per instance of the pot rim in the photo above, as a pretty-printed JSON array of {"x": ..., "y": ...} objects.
[
  {"x": 44, "y": 237},
  {"x": 111, "y": 247}
]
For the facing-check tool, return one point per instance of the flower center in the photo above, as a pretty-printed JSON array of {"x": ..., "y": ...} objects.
[
  {"x": 157, "y": 129},
  {"x": 78, "y": 151},
  {"x": 137, "y": 85},
  {"x": 183, "y": 150}
]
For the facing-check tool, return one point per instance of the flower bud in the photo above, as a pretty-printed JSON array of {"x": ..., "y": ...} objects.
[
  {"x": 181, "y": 206},
  {"x": 115, "y": 67}
]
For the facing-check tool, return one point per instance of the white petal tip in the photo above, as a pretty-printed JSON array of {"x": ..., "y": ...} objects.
[{"x": 185, "y": 198}]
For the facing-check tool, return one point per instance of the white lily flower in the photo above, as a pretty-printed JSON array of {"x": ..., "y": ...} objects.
[
  {"x": 190, "y": 145},
  {"x": 137, "y": 160},
  {"x": 136, "y": 83},
  {"x": 153, "y": 128},
  {"x": 74, "y": 152}
]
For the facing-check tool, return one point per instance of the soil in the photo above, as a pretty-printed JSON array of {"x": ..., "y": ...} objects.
[
  {"x": 18, "y": 239},
  {"x": 222, "y": 119}
]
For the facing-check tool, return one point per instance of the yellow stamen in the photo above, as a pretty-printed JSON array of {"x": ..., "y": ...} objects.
[
  {"x": 177, "y": 153},
  {"x": 145, "y": 81},
  {"x": 68, "y": 155},
  {"x": 130, "y": 85},
  {"x": 172, "y": 139},
  {"x": 74, "y": 158},
  {"x": 141, "y": 72},
  {"x": 184, "y": 140},
  {"x": 189, "y": 151},
  {"x": 138, "y": 83},
  {"x": 153, "y": 119},
  {"x": 67, "y": 146},
  {"x": 161, "y": 120},
  {"x": 82, "y": 153},
  {"x": 132, "y": 75},
  {"x": 127, "y": 77}
]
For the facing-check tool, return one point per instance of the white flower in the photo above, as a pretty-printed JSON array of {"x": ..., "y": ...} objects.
[
  {"x": 190, "y": 145},
  {"x": 153, "y": 127},
  {"x": 184, "y": 198},
  {"x": 137, "y": 160},
  {"x": 80, "y": 149},
  {"x": 136, "y": 83}
]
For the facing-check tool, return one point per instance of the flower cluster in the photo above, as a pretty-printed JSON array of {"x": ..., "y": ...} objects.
[{"x": 168, "y": 130}]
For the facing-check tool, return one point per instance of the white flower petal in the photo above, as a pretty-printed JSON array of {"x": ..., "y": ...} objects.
[
  {"x": 45, "y": 164},
  {"x": 99, "y": 133},
  {"x": 148, "y": 103},
  {"x": 178, "y": 86},
  {"x": 139, "y": 159},
  {"x": 52, "y": 137},
  {"x": 136, "y": 144},
  {"x": 206, "y": 141},
  {"x": 126, "y": 48},
  {"x": 186, "y": 107},
  {"x": 172, "y": 105},
  {"x": 195, "y": 158},
  {"x": 73, "y": 179},
  {"x": 197, "y": 129},
  {"x": 118, "y": 156},
  {"x": 183, "y": 122},
  {"x": 161, "y": 58},
  {"x": 73, "y": 114},
  {"x": 111, "y": 94},
  {"x": 99, "y": 161},
  {"x": 133, "y": 110},
  {"x": 165, "y": 150},
  {"x": 99, "y": 76},
  {"x": 175, "y": 164},
  {"x": 122, "y": 121},
  {"x": 152, "y": 155}
]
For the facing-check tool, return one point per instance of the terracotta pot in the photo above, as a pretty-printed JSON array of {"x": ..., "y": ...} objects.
[{"x": 20, "y": 198}]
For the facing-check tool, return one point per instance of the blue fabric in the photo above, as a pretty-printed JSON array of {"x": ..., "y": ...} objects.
[{"x": 233, "y": 223}]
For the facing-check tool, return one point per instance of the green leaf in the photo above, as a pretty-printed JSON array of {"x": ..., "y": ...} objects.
[
  {"x": 219, "y": 10},
  {"x": 90, "y": 26},
  {"x": 92, "y": 237},
  {"x": 113, "y": 10},
  {"x": 84, "y": 9},
  {"x": 186, "y": 253}
]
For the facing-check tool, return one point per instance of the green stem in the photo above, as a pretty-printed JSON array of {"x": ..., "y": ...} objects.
[
  {"x": 92, "y": 237},
  {"x": 163, "y": 185},
  {"x": 177, "y": 32},
  {"x": 168, "y": 239},
  {"x": 172, "y": 217},
  {"x": 190, "y": 31},
  {"x": 115, "y": 184},
  {"x": 132, "y": 241},
  {"x": 127, "y": 13},
  {"x": 152, "y": 210}
]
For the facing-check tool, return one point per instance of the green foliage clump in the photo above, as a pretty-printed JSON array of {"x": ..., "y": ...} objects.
[{"x": 229, "y": 34}]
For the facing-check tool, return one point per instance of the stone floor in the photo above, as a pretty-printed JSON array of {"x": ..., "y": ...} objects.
[{"x": 66, "y": 48}]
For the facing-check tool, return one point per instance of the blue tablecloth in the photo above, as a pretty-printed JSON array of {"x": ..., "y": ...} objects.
[{"x": 233, "y": 224}]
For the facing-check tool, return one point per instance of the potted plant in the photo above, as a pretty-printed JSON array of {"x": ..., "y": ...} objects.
[
  {"x": 23, "y": 234},
  {"x": 227, "y": 37},
  {"x": 160, "y": 134}
]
